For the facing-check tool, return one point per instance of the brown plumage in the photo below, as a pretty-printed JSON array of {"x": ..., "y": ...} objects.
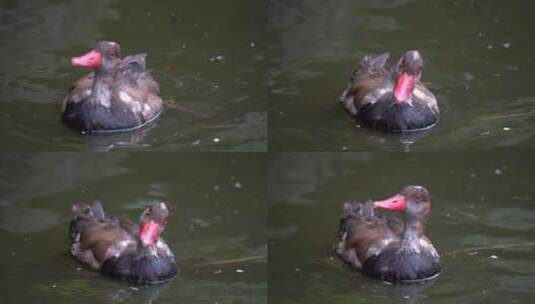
[
  {"x": 119, "y": 95},
  {"x": 121, "y": 248},
  {"x": 390, "y": 99},
  {"x": 385, "y": 248}
]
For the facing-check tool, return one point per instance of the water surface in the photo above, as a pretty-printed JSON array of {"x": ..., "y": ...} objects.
[
  {"x": 482, "y": 224},
  {"x": 216, "y": 228},
  {"x": 209, "y": 104},
  {"x": 479, "y": 62}
]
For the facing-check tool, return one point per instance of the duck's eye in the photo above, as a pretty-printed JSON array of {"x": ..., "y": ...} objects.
[{"x": 112, "y": 54}]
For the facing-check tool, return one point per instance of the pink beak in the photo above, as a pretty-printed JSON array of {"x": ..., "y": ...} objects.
[
  {"x": 396, "y": 203},
  {"x": 149, "y": 233},
  {"x": 92, "y": 59},
  {"x": 404, "y": 87}
]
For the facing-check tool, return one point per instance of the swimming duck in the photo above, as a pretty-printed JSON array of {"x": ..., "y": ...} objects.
[
  {"x": 384, "y": 248},
  {"x": 391, "y": 99},
  {"x": 120, "y": 248},
  {"x": 119, "y": 95}
]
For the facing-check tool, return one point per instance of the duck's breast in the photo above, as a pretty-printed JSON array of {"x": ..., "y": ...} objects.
[
  {"x": 397, "y": 266},
  {"x": 139, "y": 267},
  {"x": 387, "y": 115}
]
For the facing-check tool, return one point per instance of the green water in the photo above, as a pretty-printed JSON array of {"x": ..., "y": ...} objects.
[
  {"x": 479, "y": 62},
  {"x": 239, "y": 79},
  {"x": 480, "y": 205},
  {"x": 218, "y": 215},
  {"x": 204, "y": 99}
]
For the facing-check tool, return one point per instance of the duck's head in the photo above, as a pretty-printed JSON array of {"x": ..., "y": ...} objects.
[
  {"x": 104, "y": 56},
  {"x": 407, "y": 71},
  {"x": 151, "y": 223},
  {"x": 412, "y": 200}
]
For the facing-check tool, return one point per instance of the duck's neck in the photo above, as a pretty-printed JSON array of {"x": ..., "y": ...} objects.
[
  {"x": 149, "y": 250},
  {"x": 101, "y": 93},
  {"x": 410, "y": 240}
]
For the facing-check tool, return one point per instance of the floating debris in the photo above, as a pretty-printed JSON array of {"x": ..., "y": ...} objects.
[
  {"x": 506, "y": 45},
  {"x": 216, "y": 187},
  {"x": 134, "y": 288},
  {"x": 217, "y": 59},
  {"x": 240, "y": 270},
  {"x": 217, "y": 271},
  {"x": 200, "y": 223},
  {"x": 494, "y": 257},
  {"x": 252, "y": 44},
  {"x": 198, "y": 141},
  {"x": 216, "y": 140},
  {"x": 506, "y": 129},
  {"x": 468, "y": 76},
  {"x": 238, "y": 185},
  {"x": 498, "y": 171}
]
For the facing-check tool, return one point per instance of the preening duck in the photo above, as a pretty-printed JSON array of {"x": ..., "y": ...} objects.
[
  {"x": 391, "y": 99},
  {"x": 120, "y": 248},
  {"x": 385, "y": 248}
]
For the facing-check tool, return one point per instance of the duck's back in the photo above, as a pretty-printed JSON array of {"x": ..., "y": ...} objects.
[
  {"x": 136, "y": 88},
  {"x": 95, "y": 236},
  {"x": 370, "y": 80},
  {"x": 363, "y": 233}
]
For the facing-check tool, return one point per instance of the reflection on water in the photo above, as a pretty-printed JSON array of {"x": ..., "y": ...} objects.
[
  {"x": 477, "y": 64},
  {"x": 481, "y": 224},
  {"x": 216, "y": 228}
]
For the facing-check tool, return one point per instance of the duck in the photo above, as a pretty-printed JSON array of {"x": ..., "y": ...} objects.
[
  {"x": 120, "y": 248},
  {"x": 118, "y": 95},
  {"x": 390, "y": 99},
  {"x": 383, "y": 247}
]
